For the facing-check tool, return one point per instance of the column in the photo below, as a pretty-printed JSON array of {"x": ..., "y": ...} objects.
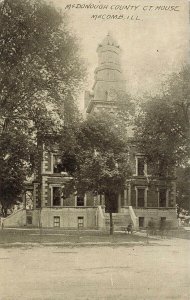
[
  {"x": 167, "y": 197},
  {"x": 75, "y": 200},
  {"x": 119, "y": 202},
  {"x": 24, "y": 198},
  {"x": 85, "y": 199},
  {"x": 129, "y": 195},
  {"x": 145, "y": 197},
  {"x": 125, "y": 197},
  {"x": 136, "y": 196}
]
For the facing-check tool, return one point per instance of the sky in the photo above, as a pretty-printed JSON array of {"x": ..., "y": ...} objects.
[{"x": 154, "y": 44}]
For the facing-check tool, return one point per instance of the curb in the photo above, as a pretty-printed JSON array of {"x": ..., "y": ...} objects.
[{"x": 19, "y": 244}]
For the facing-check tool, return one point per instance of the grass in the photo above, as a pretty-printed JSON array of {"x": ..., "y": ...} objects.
[
  {"x": 66, "y": 237},
  {"x": 8, "y": 236}
]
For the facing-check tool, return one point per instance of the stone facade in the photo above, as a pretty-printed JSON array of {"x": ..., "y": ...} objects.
[
  {"x": 149, "y": 199},
  {"x": 141, "y": 200}
]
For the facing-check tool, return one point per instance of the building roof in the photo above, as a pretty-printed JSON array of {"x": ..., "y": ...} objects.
[{"x": 108, "y": 40}]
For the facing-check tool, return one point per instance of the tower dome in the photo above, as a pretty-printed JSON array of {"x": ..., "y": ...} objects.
[{"x": 108, "y": 40}]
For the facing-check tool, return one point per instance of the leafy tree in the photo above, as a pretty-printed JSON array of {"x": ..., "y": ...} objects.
[
  {"x": 125, "y": 105},
  {"x": 15, "y": 162},
  {"x": 163, "y": 125},
  {"x": 98, "y": 161},
  {"x": 40, "y": 75}
]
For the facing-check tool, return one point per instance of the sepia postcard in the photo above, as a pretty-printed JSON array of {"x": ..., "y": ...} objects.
[{"x": 94, "y": 124}]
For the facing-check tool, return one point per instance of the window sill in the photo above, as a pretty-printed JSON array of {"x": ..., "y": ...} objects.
[
  {"x": 56, "y": 174},
  {"x": 157, "y": 207},
  {"x": 71, "y": 206}
]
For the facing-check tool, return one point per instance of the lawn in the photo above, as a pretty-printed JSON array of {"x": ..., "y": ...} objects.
[
  {"x": 52, "y": 236},
  {"x": 60, "y": 236}
]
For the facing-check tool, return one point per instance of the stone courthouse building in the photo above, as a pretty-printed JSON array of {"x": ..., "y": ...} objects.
[{"x": 142, "y": 198}]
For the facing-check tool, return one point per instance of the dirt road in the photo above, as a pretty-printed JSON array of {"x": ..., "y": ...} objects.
[{"x": 160, "y": 270}]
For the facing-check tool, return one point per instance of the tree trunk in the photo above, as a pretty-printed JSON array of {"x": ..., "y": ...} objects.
[
  {"x": 110, "y": 198},
  {"x": 111, "y": 224},
  {"x": 4, "y": 211}
]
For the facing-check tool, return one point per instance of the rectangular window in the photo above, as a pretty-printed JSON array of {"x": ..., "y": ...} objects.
[
  {"x": 57, "y": 164},
  {"x": 140, "y": 166},
  {"x": 122, "y": 198},
  {"x": 162, "y": 198},
  {"x": 80, "y": 200},
  {"x": 101, "y": 200},
  {"x": 140, "y": 199},
  {"x": 57, "y": 196},
  {"x": 141, "y": 222},
  {"x": 29, "y": 220},
  {"x": 80, "y": 222},
  {"x": 56, "y": 221}
]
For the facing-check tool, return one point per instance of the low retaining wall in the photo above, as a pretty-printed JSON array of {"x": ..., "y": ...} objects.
[
  {"x": 16, "y": 219},
  {"x": 86, "y": 217},
  {"x": 157, "y": 214},
  {"x": 69, "y": 217}
]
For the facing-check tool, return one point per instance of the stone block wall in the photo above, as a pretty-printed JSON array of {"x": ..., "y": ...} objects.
[
  {"x": 69, "y": 217},
  {"x": 157, "y": 214}
]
